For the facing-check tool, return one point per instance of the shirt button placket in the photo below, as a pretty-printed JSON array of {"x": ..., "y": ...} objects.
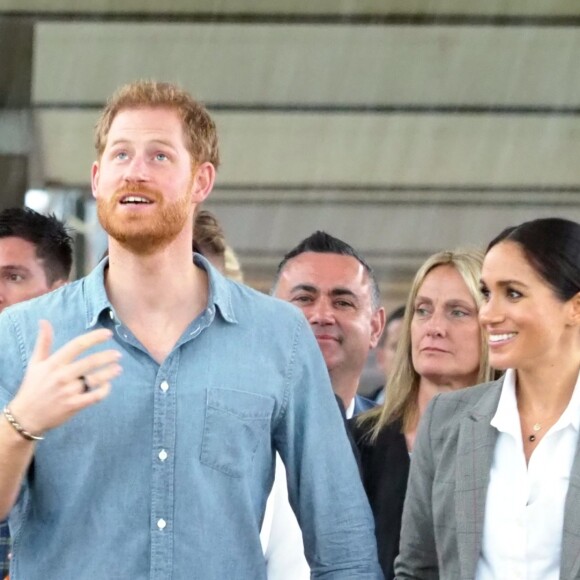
[{"x": 162, "y": 502}]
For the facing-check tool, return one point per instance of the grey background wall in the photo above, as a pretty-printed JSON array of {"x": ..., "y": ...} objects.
[{"x": 403, "y": 127}]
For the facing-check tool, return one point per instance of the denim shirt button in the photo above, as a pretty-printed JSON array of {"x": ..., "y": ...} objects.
[
  {"x": 162, "y": 455},
  {"x": 161, "y": 524},
  {"x": 164, "y": 386}
]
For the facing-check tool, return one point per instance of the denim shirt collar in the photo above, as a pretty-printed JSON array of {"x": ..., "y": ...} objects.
[{"x": 97, "y": 301}]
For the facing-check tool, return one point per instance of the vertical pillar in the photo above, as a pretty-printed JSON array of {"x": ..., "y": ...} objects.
[{"x": 16, "y": 53}]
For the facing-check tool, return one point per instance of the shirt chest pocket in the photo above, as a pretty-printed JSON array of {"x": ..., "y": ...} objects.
[{"x": 236, "y": 423}]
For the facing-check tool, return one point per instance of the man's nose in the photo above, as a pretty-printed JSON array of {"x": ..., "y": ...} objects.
[
  {"x": 321, "y": 313},
  {"x": 137, "y": 169}
]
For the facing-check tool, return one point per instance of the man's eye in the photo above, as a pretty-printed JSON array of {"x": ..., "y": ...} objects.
[
  {"x": 161, "y": 157},
  {"x": 15, "y": 277},
  {"x": 121, "y": 155},
  {"x": 302, "y": 299},
  {"x": 343, "y": 304}
]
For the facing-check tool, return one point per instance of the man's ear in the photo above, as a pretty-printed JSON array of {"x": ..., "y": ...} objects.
[
  {"x": 95, "y": 178},
  {"x": 202, "y": 183},
  {"x": 377, "y": 325},
  {"x": 58, "y": 283}
]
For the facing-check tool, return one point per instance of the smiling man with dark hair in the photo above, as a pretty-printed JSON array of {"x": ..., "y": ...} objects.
[
  {"x": 35, "y": 255},
  {"x": 338, "y": 293}
]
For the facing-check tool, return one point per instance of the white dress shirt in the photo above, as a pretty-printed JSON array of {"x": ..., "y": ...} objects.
[
  {"x": 281, "y": 536},
  {"x": 349, "y": 411},
  {"x": 524, "y": 511}
]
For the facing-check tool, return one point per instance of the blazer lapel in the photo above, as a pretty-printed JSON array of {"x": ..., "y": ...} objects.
[
  {"x": 475, "y": 448},
  {"x": 570, "y": 560}
]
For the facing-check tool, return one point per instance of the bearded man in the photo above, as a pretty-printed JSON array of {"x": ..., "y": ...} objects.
[{"x": 143, "y": 413}]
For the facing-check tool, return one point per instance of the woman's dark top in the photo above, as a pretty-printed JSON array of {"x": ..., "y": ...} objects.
[{"x": 385, "y": 471}]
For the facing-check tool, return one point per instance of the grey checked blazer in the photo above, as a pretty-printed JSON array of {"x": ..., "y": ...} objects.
[{"x": 445, "y": 503}]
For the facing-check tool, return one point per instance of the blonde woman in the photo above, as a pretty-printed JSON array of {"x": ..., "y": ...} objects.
[{"x": 441, "y": 348}]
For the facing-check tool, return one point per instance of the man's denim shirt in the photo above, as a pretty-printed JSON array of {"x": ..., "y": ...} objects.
[{"x": 168, "y": 477}]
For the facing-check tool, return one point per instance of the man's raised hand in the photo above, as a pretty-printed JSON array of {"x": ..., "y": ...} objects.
[{"x": 57, "y": 386}]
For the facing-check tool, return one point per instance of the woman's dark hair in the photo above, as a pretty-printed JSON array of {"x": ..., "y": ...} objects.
[{"x": 552, "y": 247}]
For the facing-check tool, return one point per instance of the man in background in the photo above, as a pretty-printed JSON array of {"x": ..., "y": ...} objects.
[
  {"x": 339, "y": 295},
  {"x": 35, "y": 255},
  {"x": 209, "y": 240},
  {"x": 35, "y": 258},
  {"x": 387, "y": 347}
]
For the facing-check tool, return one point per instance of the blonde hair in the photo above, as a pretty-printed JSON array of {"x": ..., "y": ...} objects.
[
  {"x": 403, "y": 386},
  {"x": 199, "y": 128},
  {"x": 233, "y": 267}
]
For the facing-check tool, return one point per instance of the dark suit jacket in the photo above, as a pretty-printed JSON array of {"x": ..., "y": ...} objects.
[
  {"x": 348, "y": 432},
  {"x": 385, "y": 470},
  {"x": 362, "y": 404}
]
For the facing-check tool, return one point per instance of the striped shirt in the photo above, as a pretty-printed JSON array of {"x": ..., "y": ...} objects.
[{"x": 4, "y": 549}]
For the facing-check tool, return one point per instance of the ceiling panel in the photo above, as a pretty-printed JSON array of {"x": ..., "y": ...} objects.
[
  {"x": 406, "y": 66},
  {"x": 400, "y": 233},
  {"x": 356, "y": 150},
  {"x": 507, "y": 7},
  {"x": 395, "y": 239}
]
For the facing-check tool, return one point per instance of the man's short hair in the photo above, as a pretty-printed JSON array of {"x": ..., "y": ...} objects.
[
  {"x": 322, "y": 243},
  {"x": 50, "y": 237},
  {"x": 198, "y": 126}
]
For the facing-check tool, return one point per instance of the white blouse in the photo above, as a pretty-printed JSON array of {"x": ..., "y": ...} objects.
[{"x": 524, "y": 511}]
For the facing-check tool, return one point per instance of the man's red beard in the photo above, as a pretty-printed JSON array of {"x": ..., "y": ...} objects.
[{"x": 143, "y": 234}]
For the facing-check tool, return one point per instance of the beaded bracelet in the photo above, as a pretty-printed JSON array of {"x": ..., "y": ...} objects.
[{"x": 19, "y": 428}]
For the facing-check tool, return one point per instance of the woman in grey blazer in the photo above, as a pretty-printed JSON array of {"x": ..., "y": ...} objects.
[{"x": 494, "y": 488}]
